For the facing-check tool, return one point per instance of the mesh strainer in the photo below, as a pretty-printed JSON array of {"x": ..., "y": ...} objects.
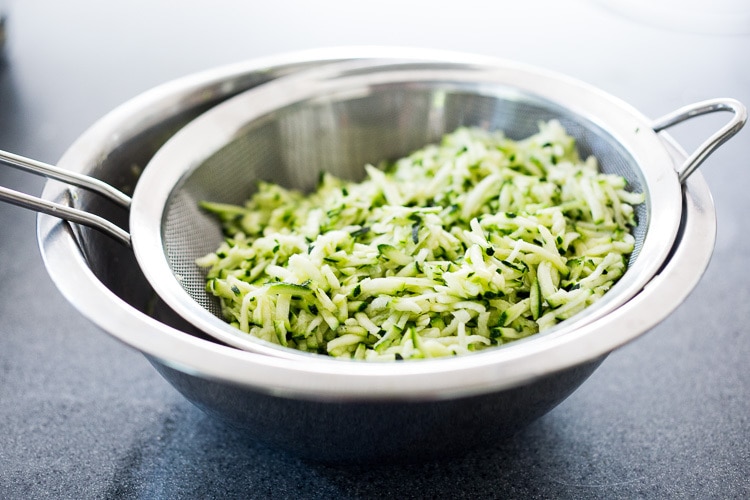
[{"x": 339, "y": 117}]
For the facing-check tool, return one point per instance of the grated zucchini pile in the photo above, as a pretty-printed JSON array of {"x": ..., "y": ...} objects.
[{"x": 477, "y": 241}]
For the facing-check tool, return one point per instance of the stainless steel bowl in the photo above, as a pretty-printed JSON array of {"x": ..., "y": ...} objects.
[{"x": 319, "y": 410}]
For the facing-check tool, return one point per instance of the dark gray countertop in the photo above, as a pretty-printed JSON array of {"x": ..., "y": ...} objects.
[{"x": 83, "y": 416}]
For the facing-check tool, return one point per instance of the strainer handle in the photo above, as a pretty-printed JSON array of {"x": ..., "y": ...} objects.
[
  {"x": 57, "y": 209},
  {"x": 717, "y": 139}
]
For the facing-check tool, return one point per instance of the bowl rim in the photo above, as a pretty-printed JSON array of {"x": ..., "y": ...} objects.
[{"x": 326, "y": 379}]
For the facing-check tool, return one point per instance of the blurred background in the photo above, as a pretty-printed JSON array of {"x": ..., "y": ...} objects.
[{"x": 83, "y": 416}]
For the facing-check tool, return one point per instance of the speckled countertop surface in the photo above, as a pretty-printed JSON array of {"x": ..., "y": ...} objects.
[{"x": 83, "y": 416}]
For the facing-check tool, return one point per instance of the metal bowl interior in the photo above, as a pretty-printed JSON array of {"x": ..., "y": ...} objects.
[{"x": 278, "y": 401}]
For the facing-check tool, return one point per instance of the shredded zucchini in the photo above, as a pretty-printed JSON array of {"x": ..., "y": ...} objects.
[{"x": 474, "y": 242}]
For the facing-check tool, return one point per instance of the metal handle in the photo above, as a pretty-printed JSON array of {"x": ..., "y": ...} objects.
[
  {"x": 63, "y": 211},
  {"x": 713, "y": 142}
]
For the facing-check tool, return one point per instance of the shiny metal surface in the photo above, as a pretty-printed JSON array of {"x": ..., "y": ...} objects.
[
  {"x": 739, "y": 117},
  {"x": 276, "y": 401},
  {"x": 64, "y": 211},
  {"x": 381, "y": 431},
  {"x": 279, "y": 400}
]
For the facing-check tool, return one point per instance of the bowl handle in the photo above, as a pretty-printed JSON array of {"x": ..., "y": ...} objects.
[
  {"x": 57, "y": 209},
  {"x": 713, "y": 142}
]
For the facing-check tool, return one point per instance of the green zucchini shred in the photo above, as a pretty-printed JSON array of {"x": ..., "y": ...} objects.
[{"x": 473, "y": 242}]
